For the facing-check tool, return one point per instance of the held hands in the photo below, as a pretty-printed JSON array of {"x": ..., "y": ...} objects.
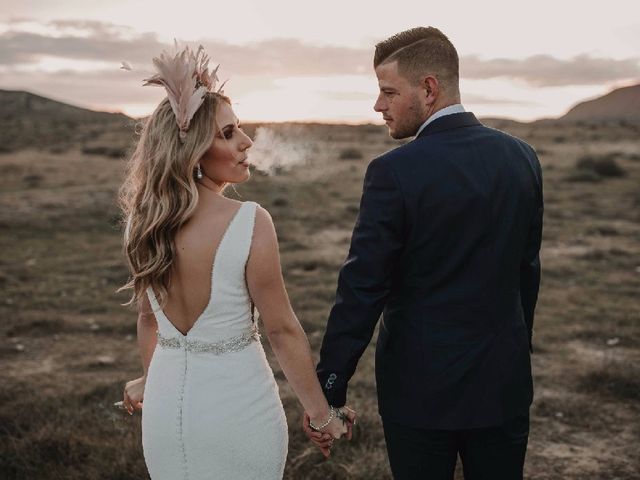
[
  {"x": 339, "y": 426},
  {"x": 133, "y": 394}
]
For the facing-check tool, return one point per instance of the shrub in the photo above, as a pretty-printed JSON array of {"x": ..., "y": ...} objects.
[
  {"x": 612, "y": 380},
  {"x": 583, "y": 176},
  {"x": 113, "y": 152},
  {"x": 350, "y": 154},
  {"x": 32, "y": 180},
  {"x": 605, "y": 166}
]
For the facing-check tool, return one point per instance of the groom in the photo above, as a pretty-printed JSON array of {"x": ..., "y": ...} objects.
[{"x": 446, "y": 247}]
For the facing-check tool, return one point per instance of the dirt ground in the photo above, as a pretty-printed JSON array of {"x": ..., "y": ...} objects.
[{"x": 67, "y": 345}]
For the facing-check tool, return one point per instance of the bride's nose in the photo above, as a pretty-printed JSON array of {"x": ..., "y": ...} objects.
[{"x": 246, "y": 141}]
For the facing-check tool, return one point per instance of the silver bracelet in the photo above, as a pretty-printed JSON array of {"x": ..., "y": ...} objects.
[{"x": 332, "y": 414}]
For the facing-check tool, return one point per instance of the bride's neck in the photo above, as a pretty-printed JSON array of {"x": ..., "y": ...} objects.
[{"x": 209, "y": 184}]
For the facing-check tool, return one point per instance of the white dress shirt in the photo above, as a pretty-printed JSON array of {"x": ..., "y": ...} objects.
[{"x": 451, "y": 109}]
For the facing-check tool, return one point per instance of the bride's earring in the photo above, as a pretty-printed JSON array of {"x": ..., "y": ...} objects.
[{"x": 198, "y": 172}]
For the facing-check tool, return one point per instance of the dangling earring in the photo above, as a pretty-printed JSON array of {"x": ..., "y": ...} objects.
[{"x": 198, "y": 172}]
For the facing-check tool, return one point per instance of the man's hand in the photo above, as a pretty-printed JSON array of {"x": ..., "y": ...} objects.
[{"x": 350, "y": 418}]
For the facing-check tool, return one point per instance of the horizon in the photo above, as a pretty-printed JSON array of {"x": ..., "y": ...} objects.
[
  {"x": 316, "y": 121},
  {"x": 282, "y": 66}
]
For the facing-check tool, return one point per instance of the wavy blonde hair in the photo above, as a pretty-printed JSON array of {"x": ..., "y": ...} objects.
[{"x": 159, "y": 193}]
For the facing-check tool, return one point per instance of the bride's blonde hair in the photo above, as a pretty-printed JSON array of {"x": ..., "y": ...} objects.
[{"x": 159, "y": 193}]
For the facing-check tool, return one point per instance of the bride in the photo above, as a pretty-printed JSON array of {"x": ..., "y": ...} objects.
[{"x": 199, "y": 262}]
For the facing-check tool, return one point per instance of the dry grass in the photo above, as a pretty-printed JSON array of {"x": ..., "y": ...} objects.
[{"x": 67, "y": 346}]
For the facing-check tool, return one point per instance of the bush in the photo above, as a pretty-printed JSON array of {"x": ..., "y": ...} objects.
[
  {"x": 583, "y": 176},
  {"x": 350, "y": 154},
  {"x": 605, "y": 166},
  {"x": 612, "y": 380},
  {"x": 33, "y": 180},
  {"x": 113, "y": 152},
  {"x": 58, "y": 149}
]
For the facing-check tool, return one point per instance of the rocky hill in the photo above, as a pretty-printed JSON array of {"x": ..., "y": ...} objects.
[
  {"x": 620, "y": 104},
  {"x": 31, "y": 121}
]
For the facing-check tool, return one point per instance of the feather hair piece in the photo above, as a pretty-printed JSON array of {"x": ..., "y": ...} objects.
[{"x": 185, "y": 76}]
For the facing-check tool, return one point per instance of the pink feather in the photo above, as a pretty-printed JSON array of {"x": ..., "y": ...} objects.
[{"x": 187, "y": 79}]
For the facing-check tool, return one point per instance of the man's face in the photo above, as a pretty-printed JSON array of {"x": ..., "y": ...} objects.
[{"x": 400, "y": 102}]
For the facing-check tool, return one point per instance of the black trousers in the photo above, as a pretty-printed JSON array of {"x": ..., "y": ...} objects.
[{"x": 495, "y": 453}]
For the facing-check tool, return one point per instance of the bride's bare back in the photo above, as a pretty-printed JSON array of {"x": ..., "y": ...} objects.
[{"x": 196, "y": 245}]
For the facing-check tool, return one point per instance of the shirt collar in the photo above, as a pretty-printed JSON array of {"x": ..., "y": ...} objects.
[{"x": 451, "y": 109}]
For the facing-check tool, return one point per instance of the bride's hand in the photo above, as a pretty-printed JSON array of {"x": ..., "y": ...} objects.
[
  {"x": 327, "y": 435},
  {"x": 337, "y": 428},
  {"x": 133, "y": 394},
  {"x": 324, "y": 439},
  {"x": 321, "y": 440}
]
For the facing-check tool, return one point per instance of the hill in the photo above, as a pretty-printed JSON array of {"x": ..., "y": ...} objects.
[
  {"x": 29, "y": 120},
  {"x": 620, "y": 104}
]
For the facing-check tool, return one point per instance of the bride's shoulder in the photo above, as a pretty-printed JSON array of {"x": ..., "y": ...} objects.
[
  {"x": 264, "y": 229},
  {"x": 263, "y": 217}
]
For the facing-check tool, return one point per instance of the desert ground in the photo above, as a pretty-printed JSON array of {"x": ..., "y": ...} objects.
[{"x": 67, "y": 346}]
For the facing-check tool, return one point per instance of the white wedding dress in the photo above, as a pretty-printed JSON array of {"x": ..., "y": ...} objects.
[{"x": 212, "y": 409}]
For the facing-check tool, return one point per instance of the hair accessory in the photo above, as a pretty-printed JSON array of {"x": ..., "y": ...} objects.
[{"x": 186, "y": 77}]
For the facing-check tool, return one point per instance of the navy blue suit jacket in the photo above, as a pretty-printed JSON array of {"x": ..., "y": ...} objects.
[{"x": 446, "y": 247}]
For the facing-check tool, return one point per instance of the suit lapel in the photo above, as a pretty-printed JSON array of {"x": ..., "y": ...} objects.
[{"x": 448, "y": 122}]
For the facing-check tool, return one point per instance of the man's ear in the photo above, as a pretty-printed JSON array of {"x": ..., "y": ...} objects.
[{"x": 431, "y": 88}]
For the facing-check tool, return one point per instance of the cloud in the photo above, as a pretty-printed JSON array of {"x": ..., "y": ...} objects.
[
  {"x": 18, "y": 48},
  {"x": 100, "y": 41},
  {"x": 474, "y": 99},
  {"x": 348, "y": 96},
  {"x": 77, "y": 61},
  {"x": 547, "y": 71},
  {"x": 94, "y": 89},
  {"x": 92, "y": 40}
]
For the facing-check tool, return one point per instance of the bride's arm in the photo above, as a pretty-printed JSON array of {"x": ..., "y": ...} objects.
[
  {"x": 146, "y": 329},
  {"x": 285, "y": 334}
]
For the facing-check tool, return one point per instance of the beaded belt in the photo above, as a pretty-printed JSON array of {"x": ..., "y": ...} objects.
[{"x": 233, "y": 344}]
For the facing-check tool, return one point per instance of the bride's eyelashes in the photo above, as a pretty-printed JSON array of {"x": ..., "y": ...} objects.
[{"x": 228, "y": 132}]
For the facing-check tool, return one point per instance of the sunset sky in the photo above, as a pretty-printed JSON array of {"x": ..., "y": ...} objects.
[{"x": 295, "y": 60}]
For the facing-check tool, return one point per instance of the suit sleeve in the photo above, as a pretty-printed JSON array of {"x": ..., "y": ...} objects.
[
  {"x": 364, "y": 281},
  {"x": 530, "y": 266}
]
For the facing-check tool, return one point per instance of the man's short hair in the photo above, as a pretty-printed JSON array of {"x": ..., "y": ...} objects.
[{"x": 421, "y": 51}]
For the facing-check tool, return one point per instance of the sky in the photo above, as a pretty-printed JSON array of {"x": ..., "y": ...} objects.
[{"x": 312, "y": 61}]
